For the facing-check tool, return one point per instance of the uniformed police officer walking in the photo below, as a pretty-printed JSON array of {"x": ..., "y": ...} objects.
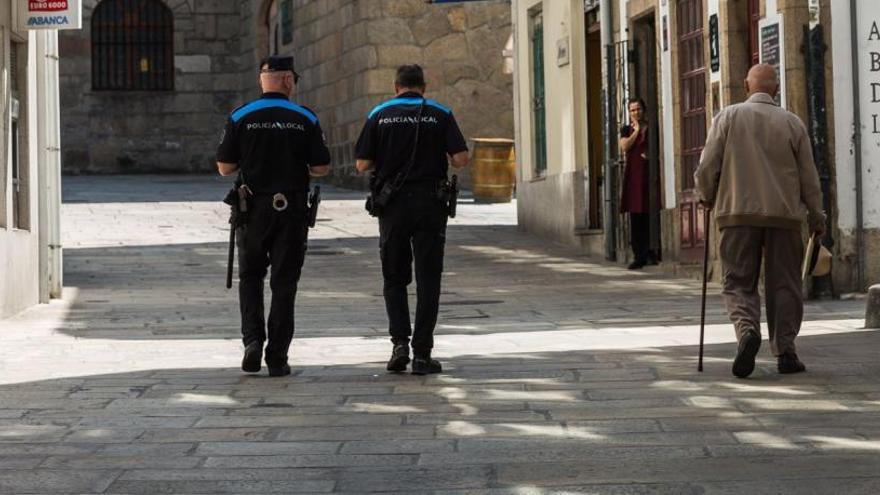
[
  {"x": 409, "y": 142},
  {"x": 275, "y": 146}
]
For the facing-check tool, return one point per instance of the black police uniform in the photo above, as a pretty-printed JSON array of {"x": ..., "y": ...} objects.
[
  {"x": 413, "y": 225},
  {"x": 274, "y": 142}
]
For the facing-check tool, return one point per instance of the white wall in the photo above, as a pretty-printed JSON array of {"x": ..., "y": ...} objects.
[
  {"x": 24, "y": 254},
  {"x": 564, "y": 142},
  {"x": 868, "y": 14}
]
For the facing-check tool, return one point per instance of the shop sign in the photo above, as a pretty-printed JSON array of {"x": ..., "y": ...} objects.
[
  {"x": 49, "y": 14},
  {"x": 772, "y": 51}
]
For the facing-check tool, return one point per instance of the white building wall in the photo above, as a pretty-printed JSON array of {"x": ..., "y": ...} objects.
[
  {"x": 549, "y": 205},
  {"x": 869, "y": 106},
  {"x": 24, "y": 253},
  {"x": 664, "y": 47}
]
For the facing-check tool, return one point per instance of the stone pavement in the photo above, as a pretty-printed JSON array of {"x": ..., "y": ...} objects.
[{"x": 562, "y": 374}]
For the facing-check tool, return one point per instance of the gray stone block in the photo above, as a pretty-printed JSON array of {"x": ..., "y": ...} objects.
[
  {"x": 55, "y": 481},
  {"x": 872, "y": 307}
]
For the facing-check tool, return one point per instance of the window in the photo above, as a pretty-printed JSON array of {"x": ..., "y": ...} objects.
[
  {"x": 538, "y": 104},
  {"x": 132, "y": 46},
  {"x": 286, "y": 22},
  {"x": 280, "y": 24},
  {"x": 17, "y": 138}
]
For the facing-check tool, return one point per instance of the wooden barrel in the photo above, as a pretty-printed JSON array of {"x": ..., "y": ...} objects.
[{"x": 494, "y": 170}]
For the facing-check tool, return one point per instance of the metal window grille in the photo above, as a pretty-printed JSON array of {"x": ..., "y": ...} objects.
[
  {"x": 132, "y": 46},
  {"x": 538, "y": 102}
]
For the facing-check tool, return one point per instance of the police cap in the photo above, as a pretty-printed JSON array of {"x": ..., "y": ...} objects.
[{"x": 275, "y": 63}]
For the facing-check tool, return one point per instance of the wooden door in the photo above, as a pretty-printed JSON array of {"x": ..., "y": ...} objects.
[{"x": 692, "y": 87}]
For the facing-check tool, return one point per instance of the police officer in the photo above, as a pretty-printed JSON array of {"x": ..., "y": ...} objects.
[
  {"x": 409, "y": 141},
  {"x": 276, "y": 146}
]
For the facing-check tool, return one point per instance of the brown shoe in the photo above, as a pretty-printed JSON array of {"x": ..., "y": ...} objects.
[{"x": 744, "y": 363}]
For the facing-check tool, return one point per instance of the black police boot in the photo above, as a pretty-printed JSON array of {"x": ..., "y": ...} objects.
[
  {"x": 637, "y": 264},
  {"x": 278, "y": 369},
  {"x": 399, "y": 359},
  {"x": 253, "y": 354},
  {"x": 789, "y": 363},
  {"x": 424, "y": 365},
  {"x": 744, "y": 363}
]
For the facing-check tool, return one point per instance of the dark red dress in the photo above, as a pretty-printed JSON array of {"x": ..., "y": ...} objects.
[{"x": 634, "y": 197}]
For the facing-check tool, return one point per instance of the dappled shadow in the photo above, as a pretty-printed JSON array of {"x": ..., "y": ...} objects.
[
  {"x": 578, "y": 420},
  {"x": 496, "y": 281}
]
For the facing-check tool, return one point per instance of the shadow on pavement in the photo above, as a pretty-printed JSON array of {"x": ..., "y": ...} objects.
[{"x": 598, "y": 422}]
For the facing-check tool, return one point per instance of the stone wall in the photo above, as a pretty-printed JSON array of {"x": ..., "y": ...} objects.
[
  {"x": 346, "y": 51},
  {"x": 153, "y": 131}
]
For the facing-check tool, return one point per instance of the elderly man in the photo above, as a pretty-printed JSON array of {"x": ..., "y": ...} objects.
[{"x": 757, "y": 173}]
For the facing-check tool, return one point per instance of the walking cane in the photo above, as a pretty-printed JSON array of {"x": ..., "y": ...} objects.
[{"x": 705, "y": 276}]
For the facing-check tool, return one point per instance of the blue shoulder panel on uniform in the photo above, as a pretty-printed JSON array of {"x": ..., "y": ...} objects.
[
  {"x": 272, "y": 103},
  {"x": 406, "y": 101},
  {"x": 437, "y": 105}
]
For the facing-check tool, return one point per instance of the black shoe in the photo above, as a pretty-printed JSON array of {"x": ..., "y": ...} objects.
[
  {"x": 637, "y": 265},
  {"x": 789, "y": 363},
  {"x": 744, "y": 364},
  {"x": 399, "y": 359},
  {"x": 426, "y": 366},
  {"x": 253, "y": 354},
  {"x": 282, "y": 370}
]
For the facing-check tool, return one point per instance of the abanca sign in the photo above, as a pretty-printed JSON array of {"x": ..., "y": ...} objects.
[{"x": 49, "y": 14}]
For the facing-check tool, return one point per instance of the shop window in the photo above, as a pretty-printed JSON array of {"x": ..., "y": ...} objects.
[{"x": 132, "y": 46}]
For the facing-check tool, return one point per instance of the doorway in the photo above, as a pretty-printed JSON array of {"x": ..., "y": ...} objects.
[
  {"x": 644, "y": 84},
  {"x": 692, "y": 124},
  {"x": 595, "y": 142}
]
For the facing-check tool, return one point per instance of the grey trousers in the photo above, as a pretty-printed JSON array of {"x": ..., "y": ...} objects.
[{"x": 742, "y": 249}]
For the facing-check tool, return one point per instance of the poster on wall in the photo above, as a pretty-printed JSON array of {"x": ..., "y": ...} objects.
[
  {"x": 49, "y": 14},
  {"x": 772, "y": 50}
]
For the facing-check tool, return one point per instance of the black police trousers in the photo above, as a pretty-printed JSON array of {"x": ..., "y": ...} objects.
[
  {"x": 277, "y": 239},
  {"x": 413, "y": 228}
]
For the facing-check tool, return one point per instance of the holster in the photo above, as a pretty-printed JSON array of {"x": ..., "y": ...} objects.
[
  {"x": 314, "y": 201},
  {"x": 381, "y": 193},
  {"x": 447, "y": 193}
]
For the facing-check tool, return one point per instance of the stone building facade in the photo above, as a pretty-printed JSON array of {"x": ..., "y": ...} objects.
[{"x": 345, "y": 50}]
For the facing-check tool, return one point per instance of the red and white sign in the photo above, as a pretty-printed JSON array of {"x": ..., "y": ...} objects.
[{"x": 47, "y": 5}]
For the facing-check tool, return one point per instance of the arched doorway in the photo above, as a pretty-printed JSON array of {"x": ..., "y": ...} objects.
[{"x": 276, "y": 27}]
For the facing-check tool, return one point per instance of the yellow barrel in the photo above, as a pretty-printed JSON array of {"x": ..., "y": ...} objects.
[{"x": 494, "y": 170}]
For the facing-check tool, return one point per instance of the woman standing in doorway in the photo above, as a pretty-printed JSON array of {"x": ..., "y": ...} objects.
[{"x": 634, "y": 200}]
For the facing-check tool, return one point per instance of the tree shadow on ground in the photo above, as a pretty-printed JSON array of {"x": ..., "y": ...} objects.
[{"x": 587, "y": 422}]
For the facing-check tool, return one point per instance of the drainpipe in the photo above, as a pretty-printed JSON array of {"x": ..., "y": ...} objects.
[
  {"x": 857, "y": 146},
  {"x": 609, "y": 215}
]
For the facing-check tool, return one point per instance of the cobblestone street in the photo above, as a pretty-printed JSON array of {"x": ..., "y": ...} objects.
[{"x": 562, "y": 374}]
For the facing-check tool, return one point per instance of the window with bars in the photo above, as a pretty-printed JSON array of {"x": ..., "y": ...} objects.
[
  {"x": 132, "y": 46},
  {"x": 538, "y": 102}
]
